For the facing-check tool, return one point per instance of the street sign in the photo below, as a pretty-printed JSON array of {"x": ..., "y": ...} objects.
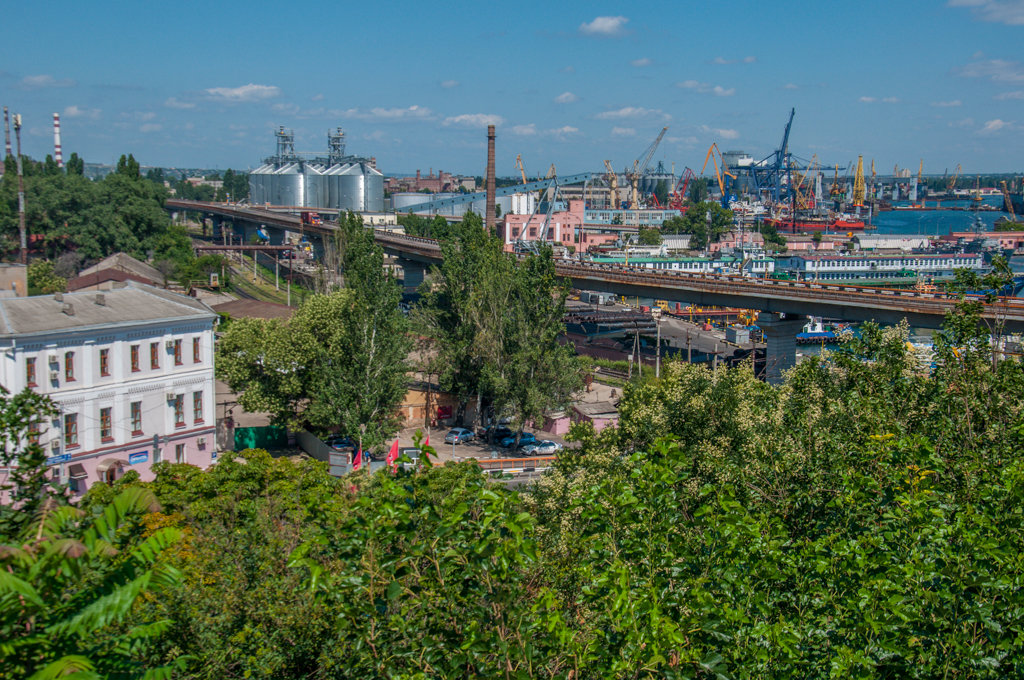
[
  {"x": 55, "y": 460},
  {"x": 136, "y": 458}
]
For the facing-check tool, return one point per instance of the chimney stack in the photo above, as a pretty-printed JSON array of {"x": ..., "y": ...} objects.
[
  {"x": 57, "y": 156},
  {"x": 7, "y": 134},
  {"x": 489, "y": 209}
]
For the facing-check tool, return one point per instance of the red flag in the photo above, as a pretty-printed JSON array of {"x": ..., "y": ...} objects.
[
  {"x": 427, "y": 443},
  {"x": 392, "y": 455},
  {"x": 358, "y": 460}
]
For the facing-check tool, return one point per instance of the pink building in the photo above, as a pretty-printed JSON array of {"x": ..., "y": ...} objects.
[
  {"x": 601, "y": 414},
  {"x": 130, "y": 370},
  {"x": 567, "y": 228},
  {"x": 803, "y": 243},
  {"x": 1007, "y": 239},
  {"x": 731, "y": 240}
]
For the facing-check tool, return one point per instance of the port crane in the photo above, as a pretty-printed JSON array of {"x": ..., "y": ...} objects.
[
  {"x": 859, "y": 190},
  {"x": 613, "y": 184},
  {"x": 638, "y": 170},
  {"x": 1007, "y": 201},
  {"x": 520, "y": 168},
  {"x": 715, "y": 155},
  {"x": 675, "y": 201},
  {"x": 951, "y": 187},
  {"x": 768, "y": 174}
]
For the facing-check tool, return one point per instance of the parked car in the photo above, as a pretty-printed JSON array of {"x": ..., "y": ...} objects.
[
  {"x": 526, "y": 438},
  {"x": 459, "y": 435},
  {"x": 500, "y": 432},
  {"x": 542, "y": 448},
  {"x": 340, "y": 442}
]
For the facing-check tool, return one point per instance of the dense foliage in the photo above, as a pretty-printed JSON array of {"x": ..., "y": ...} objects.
[
  {"x": 705, "y": 222},
  {"x": 339, "y": 363}
]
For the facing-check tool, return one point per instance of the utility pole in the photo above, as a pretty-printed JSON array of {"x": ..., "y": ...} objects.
[
  {"x": 656, "y": 313},
  {"x": 21, "y": 193}
]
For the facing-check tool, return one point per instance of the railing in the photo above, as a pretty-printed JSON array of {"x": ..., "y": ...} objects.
[{"x": 515, "y": 465}]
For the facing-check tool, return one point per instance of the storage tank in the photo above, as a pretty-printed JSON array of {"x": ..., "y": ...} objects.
[{"x": 404, "y": 199}]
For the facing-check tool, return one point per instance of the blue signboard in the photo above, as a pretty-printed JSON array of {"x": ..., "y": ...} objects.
[
  {"x": 136, "y": 458},
  {"x": 54, "y": 460}
]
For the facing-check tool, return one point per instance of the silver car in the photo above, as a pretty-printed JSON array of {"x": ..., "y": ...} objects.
[
  {"x": 542, "y": 448},
  {"x": 459, "y": 435}
]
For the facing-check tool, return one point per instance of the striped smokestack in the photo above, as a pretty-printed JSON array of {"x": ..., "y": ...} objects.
[
  {"x": 57, "y": 156},
  {"x": 7, "y": 134},
  {"x": 489, "y": 209}
]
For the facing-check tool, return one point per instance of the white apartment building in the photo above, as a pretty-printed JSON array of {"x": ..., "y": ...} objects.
[{"x": 131, "y": 370}]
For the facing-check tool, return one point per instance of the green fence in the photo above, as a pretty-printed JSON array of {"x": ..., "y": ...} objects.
[{"x": 260, "y": 438}]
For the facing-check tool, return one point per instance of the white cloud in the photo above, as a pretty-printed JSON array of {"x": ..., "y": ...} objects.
[
  {"x": 721, "y": 61},
  {"x": 995, "y": 125},
  {"x": 640, "y": 62},
  {"x": 1009, "y": 12},
  {"x": 287, "y": 109},
  {"x": 996, "y": 70},
  {"x": 1003, "y": 96},
  {"x": 890, "y": 100},
  {"x": 623, "y": 131},
  {"x": 564, "y": 130},
  {"x": 566, "y": 98},
  {"x": 414, "y": 111},
  {"x": 706, "y": 88},
  {"x": 749, "y": 60},
  {"x": 449, "y": 84},
  {"x": 724, "y": 133},
  {"x": 317, "y": 97},
  {"x": 686, "y": 141},
  {"x": 74, "y": 111},
  {"x": 175, "y": 103},
  {"x": 243, "y": 94},
  {"x": 632, "y": 112},
  {"x": 605, "y": 26},
  {"x": 151, "y": 127},
  {"x": 947, "y": 105},
  {"x": 42, "y": 81},
  {"x": 474, "y": 120},
  {"x": 964, "y": 123},
  {"x": 866, "y": 100},
  {"x": 791, "y": 86},
  {"x": 524, "y": 130}
]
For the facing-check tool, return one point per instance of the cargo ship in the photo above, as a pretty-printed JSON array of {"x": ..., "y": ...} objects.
[{"x": 791, "y": 225}]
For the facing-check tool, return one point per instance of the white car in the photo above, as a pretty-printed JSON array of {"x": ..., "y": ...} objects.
[{"x": 542, "y": 448}]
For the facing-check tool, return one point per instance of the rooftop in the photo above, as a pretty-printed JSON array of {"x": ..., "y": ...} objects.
[{"x": 127, "y": 303}]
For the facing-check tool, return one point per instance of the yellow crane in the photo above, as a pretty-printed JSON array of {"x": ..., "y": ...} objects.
[
  {"x": 638, "y": 170},
  {"x": 834, "y": 190},
  {"x": 613, "y": 184},
  {"x": 1007, "y": 201},
  {"x": 520, "y": 168},
  {"x": 859, "y": 190},
  {"x": 920, "y": 172},
  {"x": 951, "y": 187},
  {"x": 873, "y": 175},
  {"x": 714, "y": 155}
]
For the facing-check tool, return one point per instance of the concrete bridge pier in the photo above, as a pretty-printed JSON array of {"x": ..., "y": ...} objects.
[
  {"x": 413, "y": 275},
  {"x": 780, "y": 343}
]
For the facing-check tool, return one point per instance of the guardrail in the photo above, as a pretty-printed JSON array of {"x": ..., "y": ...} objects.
[{"x": 516, "y": 465}]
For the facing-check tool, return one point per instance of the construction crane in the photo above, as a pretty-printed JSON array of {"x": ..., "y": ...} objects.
[
  {"x": 920, "y": 171},
  {"x": 951, "y": 187},
  {"x": 834, "y": 190},
  {"x": 613, "y": 184},
  {"x": 638, "y": 170},
  {"x": 871, "y": 190},
  {"x": 722, "y": 184},
  {"x": 768, "y": 174},
  {"x": 859, "y": 191},
  {"x": 520, "y": 168},
  {"x": 1007, "y": 201},
  {"x": 675, "y": 201}
]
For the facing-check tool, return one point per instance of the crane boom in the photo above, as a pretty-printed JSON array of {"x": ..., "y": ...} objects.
[
  {"x": 519, "y": 166},
  {"x": 640, "y": 166},
  {"x": 613, "y": 184}
]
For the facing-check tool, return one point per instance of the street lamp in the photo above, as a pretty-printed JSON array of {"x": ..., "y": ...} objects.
[{"x": 656, "y": 313}]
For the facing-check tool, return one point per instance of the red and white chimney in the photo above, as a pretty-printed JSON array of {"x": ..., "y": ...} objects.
[{"x": 57, "y": 156}]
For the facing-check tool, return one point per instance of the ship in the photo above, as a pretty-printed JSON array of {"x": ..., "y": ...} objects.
[{"x": 838, "y": 223}]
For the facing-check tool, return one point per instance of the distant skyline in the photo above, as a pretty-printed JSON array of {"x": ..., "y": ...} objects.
[{"x": 415, "y": 84}]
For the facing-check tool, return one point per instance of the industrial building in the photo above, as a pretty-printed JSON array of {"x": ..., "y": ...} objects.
[{"x": 333, "y": 182}]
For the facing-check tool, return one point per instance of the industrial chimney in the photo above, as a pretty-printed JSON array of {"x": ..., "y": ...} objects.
[
  {"x": 7, "y": 134},
  {"x": 57, "y": 156},
  {"x": 489, "y": 209}
]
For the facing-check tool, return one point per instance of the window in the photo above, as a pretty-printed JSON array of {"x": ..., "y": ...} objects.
[
  {"x": 154, "y": 355},
  {"x": 70, "y": 430},
  {"x": 104, "y": 362},
  {"x": 136, "y": 418},
  {"x": 195, "y": 350},
  {"x": 69, "y": 366},
  {"x": 179, "y": 410},
  {"x": 197, "y": 407},
  {"x": 177, "y": 352},
  {"x": 135, "y": 358},
  {"x": 30, "y": 371},
  {"x": 179, "y": 453},
  {"x": 157, "y": 454},
  {"x": 33, "y": 432},
  {"x": 106, "y": 431}
]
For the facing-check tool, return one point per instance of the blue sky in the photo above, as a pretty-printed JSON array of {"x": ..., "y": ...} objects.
[{"x": 413, "y": 83}]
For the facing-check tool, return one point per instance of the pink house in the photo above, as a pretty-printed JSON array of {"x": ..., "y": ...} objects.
[
  {"x": 567, "y": 228},
  {"x": 601, "y": 414},
  {"x": 1007, "y": 239}
]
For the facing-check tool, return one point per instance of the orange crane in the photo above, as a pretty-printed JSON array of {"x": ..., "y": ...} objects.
[
  {"x": 520, "y": 168},
  {"x": 711, "y": 156}
]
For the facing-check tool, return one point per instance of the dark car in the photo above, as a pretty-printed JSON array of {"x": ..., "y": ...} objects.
[
  {"x": 340, "y": 442},
  {"x": 499, "y": 432},
  {"x": 526, "y": 438}
]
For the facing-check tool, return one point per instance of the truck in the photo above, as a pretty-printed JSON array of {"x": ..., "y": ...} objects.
[{"x": 311, "y": 218}]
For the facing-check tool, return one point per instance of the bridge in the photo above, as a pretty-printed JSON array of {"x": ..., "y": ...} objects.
[{"x": 784, "y": 304}]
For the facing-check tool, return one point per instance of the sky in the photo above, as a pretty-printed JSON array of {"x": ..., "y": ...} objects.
[{"x": 414, "y": 84}]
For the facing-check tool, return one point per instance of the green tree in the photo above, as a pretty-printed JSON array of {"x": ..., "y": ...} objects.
[
  {"x": 42, "y": 280},
  {"x": 706, "y": 222},
  {"x": 75, "y": 165},
  {"x": 22, "y": 417},
  {"x": 649, "y": 237}
]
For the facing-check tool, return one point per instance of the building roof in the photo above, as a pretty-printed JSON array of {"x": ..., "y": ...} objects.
[
  {"x": 254, "y": 309},
  {"x": 597, "y": 409},
  {"x": 98, "y": 276},
  {"x": 126, "y": 304},
  {"x": 128, "y": 264}
]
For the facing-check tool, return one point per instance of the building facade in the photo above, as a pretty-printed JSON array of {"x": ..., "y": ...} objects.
[
  {"x": 131, "y": 371},
  {"x": 881, "y": 267}
]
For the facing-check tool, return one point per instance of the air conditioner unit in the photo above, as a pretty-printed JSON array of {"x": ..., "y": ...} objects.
[
  {"x": 170, "y": 396},
  {"x": 201, "y": 442},
  {"x": 54, "y": 376},
  {"x": 169, "y": 345},
  {"x": 53, "y": 359},
  {"x": 55, "y": 445}
]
